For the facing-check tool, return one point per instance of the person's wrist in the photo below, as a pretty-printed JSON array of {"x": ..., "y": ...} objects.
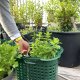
[{"x": 18, "y": 39}]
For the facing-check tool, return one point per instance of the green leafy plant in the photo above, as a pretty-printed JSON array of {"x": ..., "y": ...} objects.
[
  {"x": 19, "y": 12},
  {"x": 7, "y": 58},
  {"x": 53, "y": 28},
  {"x": 26, "y": 30},
  {"x": 64, "y": 13},
  {"x": 34, "y": 11},
  {"x": 44, "y": 47},
  {"x": 38, "y": 16},
  {"x": 30, "y": 8},
  {"x": 27, "y": 12},
  {"x": 67, "y": 14},
  {"x": 50, "y": 7}
]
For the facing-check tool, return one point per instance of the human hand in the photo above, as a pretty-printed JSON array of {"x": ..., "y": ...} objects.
[{"x": 24, "y": 46}]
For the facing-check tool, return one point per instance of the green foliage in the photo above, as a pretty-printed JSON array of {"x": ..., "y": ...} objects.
[
  {"x": 54, "y": 28},
  {"x": 38, "y": 15},
  {"x": 7, "y": 58},
  {"x": 34, "y": 11},
  {"x": 30, "y": 8},
  {"x": 44, "y": 47},
  {"x": 50, "y": 8},
  {"x": 67, "y": 10},
  {"x": 22, "y": 14},
  {"x": 27, "y": 30},
  {"x": 19, "y": 12},
  {"x": 26, "y": 12},
  {"x": 62, "y": 12}
]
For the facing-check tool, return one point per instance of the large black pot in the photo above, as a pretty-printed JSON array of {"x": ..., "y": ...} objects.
[
  {"x": 71, "y": 44},
  {"x": 78, "y": 26},
  {"x": 20, "y": 26},
  {"x": 3, "y": 34},
  {"x": 28, "y": 37},
  {"x": 32, "y": 35}
]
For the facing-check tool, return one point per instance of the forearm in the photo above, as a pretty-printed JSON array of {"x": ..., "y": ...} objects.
[{"x": 7, "y": 21}]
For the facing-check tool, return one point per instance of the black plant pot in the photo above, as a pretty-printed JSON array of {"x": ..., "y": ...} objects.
[
  {"x": 29, "y": 36},
  {"x": 3, "y": 34},
  {"x": 71, "y": 44},
  {"x": 20, "y": 26},
  {"x": 44, "y": 29},
  {"x": 37, "y": 28},
  {"x": 32, "y": 35},
  {"x": 78, "y": 26}
]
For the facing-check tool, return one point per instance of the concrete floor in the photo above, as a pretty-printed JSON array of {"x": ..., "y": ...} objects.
[
  {"x": 69, "y": 73},
  {"x": 61, "y": 78},
  {"x": 63, "y": 74},
  {"x": 13, "y": 77}
]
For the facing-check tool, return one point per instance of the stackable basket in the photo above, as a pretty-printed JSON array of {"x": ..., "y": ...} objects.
[{"x": 38, "y": 69}]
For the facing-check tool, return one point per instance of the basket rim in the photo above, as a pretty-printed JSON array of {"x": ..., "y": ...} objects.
[{"x": 55, "y": 58}]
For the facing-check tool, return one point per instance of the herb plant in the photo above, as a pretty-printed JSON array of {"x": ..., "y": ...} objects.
[
  {"x": 7, "y": 58},
  {"x": 26, "y": 30},
  {"x": 44, "y": 47}
]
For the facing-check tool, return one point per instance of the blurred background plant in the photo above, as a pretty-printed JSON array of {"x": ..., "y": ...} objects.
[
  {"x": 50, "y": 8},
  {"x": 26, "y": 30},
  {"x": 60, "y": 13},
  {"x": 19, "y": 12},
  {"x": 67, "y": 13}
]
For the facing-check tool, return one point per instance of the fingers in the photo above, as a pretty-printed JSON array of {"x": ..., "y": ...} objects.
[
  {"x": 24, "y": 46},
  {"x": 24, "y": 52}
]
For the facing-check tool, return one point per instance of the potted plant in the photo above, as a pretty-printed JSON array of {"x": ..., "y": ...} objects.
[
  {"x": 43, "y": 60},
  {"x": 50, "y": 7},
  {"x": 19, "y": 13},
  {"x": 27, "y": 33},
  {"x": 7, "y": 60},
  {"x": 37, "y": 17},
  {"x": 66, "y": 14},
  {"x": 30, "y": 9},
  {"x": 34, "y": 13}
]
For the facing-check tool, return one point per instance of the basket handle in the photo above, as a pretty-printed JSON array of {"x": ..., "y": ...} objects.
[
  {"x": 31, "y": 63},
  {"x": 30, "y": 58}
]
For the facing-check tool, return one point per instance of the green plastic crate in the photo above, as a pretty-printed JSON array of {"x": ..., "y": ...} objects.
[{"x": 38, "y": 69}]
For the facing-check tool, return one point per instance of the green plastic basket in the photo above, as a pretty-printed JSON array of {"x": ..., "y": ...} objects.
[
  {"x": 22, "y": 70},
  {"x": 38, "y": 69}
]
